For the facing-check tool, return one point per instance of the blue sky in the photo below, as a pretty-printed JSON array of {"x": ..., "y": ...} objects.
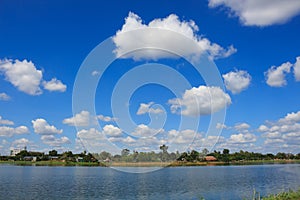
[{"x": 44, "y": 45}]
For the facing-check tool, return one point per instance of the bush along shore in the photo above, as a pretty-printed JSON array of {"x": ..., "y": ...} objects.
[
  {"x": 288, "y": 195},
  {"x": 160, "y": 158}
]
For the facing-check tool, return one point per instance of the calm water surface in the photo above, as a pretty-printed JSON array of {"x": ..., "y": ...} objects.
[{"x": 216, "y": 182}]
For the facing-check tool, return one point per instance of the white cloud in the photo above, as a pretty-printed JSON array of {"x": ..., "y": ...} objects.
[
  {"x": 272, "y": 135},
  {"x": 129, "y": 140},
  {"x": 6, "y": 131},
  {"x": 271, "y": 141},
  {"x": 221, "y": 126},
  {"x": 95, "y": 73},
  {"x": 146, "y": 137},
  {"x": 285, "y": 132},
  {"x": 242, "y": 138},
  {"x": 5, "y": 121},
  {"x": 23, "y": 75},
  {"x": 186, "y": 137},
  {"x": 203, "y": 100},
  {"x": 125, "y": 141},
  {"x": 20, "y": 143},
  {"x": 237, "y": 81},
  {"x": 297, "y": 69},
  {"x": 4, "y": 97},
  {"x": 89, "y": 134},
  {"x": 291, "y": 118},
  {"x": 96, "y": 141},
  {"x": 52, "y": 141},
  {"x": 54, "y": 85},
  {"x": 80, "y": 119},
  {"x": 241, "y": 126},
  {"x": 211, "y": 141},
  {"x": 42, "y": 127},
  {"x": 146, "y": 108},
  {"x": 21, "y": 130},
  {"x": 263, "y": 128},
  {"x": 106, "y": 118},
  {"x": 143, "y": 130},
  {"x": 112, "y": 131},
  {"x": 260, "y": 13},
  {"x": 276, "y": 75},
  {"x": 153, "y": 35}
]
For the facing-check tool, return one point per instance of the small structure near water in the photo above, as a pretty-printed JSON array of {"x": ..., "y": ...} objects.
[{"x": 210, "y": 158}]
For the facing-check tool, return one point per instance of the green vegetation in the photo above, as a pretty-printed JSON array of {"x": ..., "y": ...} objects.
[
  {"x": 290, "y": 195},
  {"x": 160, "y": 158}
]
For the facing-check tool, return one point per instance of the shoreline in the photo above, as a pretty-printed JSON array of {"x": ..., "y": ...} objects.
[{"x": 148, "y": 164}]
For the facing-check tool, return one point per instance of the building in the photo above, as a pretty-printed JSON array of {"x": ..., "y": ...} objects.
[
  {"x": 14, "y": 152},
  {"x": 210, "y": 158}
]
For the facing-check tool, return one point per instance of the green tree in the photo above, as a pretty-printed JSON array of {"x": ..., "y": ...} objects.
[
  {"x": 225, "y": 151},
  {"x": 125, "y": 152},
  {"x": 194, "y": 156},
  {"x": 53, "y": 153},
  {"x": 164, "y": 154},
  {"x": 225, "y": 156},
  {"x": 104, "y": 155}
]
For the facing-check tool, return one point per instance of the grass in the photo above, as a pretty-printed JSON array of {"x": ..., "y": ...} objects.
[{"x": 290, "y": 195}]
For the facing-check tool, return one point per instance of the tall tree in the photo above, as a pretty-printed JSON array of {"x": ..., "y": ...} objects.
[{"x": 53, "y": 153}]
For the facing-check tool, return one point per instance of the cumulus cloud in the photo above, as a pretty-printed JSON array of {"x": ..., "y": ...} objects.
[
  {"x": 276, "y": 75},
  {"x": 52, "y": 141},
  {"x": 123, "y": 140},
  {"x": 241, "y": 126},
  {"x": 80, "y": 119},
  {"x": 284, "y": 132},
  {"x": 27, "y": 78},
  {"x": 145, "y": 138},
  {"x": 23, "y": 75},
  {"x": 291, "y": 118},
  {"x": 112, "y": 131},
  {"x": 92, "y": 133},
  {"x": 272, "y": 135},
  {"x": 4, "y": 97},
  {"x": 143, "y": 130},
  {"x": 237, "y": 81},
  {"x": 297, "y": 69},
  {"x": 242, "y": 138},
  {"x": 106, "y": 118},
  {"x": 42, "y": 127},
  {"x": 221, "y": 126},
  {"x": 20, "y": 143},
  {"x": 211, "y": 141},
  {"x": 54, "y": 85},
  {"x": 186, "y": 137},
  {"x": 260, "y": 13},
  {"x": 153, "y": 35},
  {"x": 6, "y": 131},
  {"x": 146, "y": 108},
  {"x": 262, "y": 128},
  {"x": 5, "y": 121},
  {"x": 96, "y": 140},
  {"x": 203, "y": 100}
]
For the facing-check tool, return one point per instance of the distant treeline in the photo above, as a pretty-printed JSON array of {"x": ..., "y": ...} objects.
[
  {"x": 162, "y": 156},
  {"x": 192, "y": 156},
  {"x": 25, "y": 155}
]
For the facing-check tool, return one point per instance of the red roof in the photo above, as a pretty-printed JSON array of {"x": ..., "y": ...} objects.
[{"x": 210, "y": 158}]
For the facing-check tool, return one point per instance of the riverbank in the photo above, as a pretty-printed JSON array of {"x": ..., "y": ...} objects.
[
  {"x": 147, "y": 164},
  {"x": 290, "y": 195}
]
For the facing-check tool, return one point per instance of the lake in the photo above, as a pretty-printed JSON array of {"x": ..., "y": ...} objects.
[{"x": 209, "y": 182}]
